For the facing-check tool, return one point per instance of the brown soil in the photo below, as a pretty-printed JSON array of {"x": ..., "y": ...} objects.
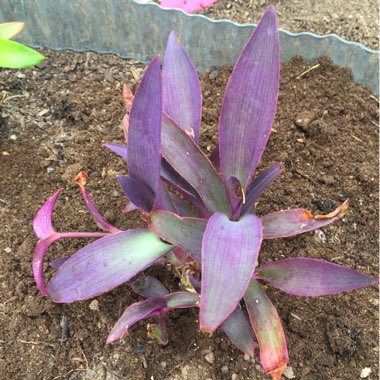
[
  {"x": 354, "y": 20},
  {"x": 53, "y": 123}
]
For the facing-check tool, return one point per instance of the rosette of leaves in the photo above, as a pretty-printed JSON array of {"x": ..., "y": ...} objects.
[
  {"x": 14, "y": 55},
  {"x": 200, "y": 210}
]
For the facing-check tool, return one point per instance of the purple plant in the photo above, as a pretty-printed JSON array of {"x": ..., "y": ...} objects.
[{"x": 210, "y": 233}]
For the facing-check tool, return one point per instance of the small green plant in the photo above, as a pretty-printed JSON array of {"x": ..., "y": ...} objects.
[{"x": 14, "y": 55}]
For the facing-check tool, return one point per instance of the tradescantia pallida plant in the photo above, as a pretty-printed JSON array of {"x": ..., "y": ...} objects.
[{"x": 210, "y": 232}]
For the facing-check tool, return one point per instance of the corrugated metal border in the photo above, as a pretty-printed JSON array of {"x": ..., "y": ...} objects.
[{"x": 139, "y": 31}]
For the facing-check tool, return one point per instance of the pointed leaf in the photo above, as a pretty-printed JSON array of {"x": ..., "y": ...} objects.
[
  {"x": 149, "y": 287},
  {"x": 144, "y": 133},
  {"x": 119, "y": 149},
  {"x": 298, "y": 221},
  {"x": 81, "y": 179},
  {"x": 130, "y": 207},
  {"x": 180, "y": 300},
  {"x": 174, "y": 179},
  {"x": 42, "y": 223},
  {"x": 38, "y": 261},
  {"x": 250, "y": 100},
  {"x": 186, "y": 233},
  {"x": 259, "y": 184},
  {"x": 163, "y": 199},
  {"x": 268, "y": 330},
  {"x": 312, "y": 277},
  {"x": 181, "y": 90},
  {"x": 229, "y": 254},
  {"x": 58, "y": 262},
  {"x": 134, "y": 314},
  {"x": 137, "y": 193},
  {"x": 17, "y": 56},
  {"x": 239, "y": 331},
  {"x": 188, "y": 160},
  {"x": 159, "y": 332},
  {"x": 10, "y": 29},
  {"x": 183, "y": 208},
  {"x": 105, "y": 264}
]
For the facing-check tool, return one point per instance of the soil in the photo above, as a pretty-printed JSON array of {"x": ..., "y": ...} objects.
[
  {"x": 53, "y": 122},
  {"x": 354, "y": 20}
]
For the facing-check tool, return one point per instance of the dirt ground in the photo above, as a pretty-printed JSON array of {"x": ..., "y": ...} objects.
[
  {"x": 52, "y": 124},
  {"x": 353, "y": 20}
]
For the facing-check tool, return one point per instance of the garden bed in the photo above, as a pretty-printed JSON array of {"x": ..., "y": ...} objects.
[{"x": 53, "y": 122}]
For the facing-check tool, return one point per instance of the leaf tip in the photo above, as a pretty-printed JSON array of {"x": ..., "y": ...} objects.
[
  {"x": 338, "y": 212},
  {"x": 81, "y": 178},
  {"x": 277, "y": 372}
]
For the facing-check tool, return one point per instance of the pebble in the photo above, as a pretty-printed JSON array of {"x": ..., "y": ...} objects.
[
  {"x": 94, "y": 305},
  {"x": 213, "y": 74},
  {"x": 234, "y": 376},
  {"x": 320, "y": 236},
  {"x": 13, "y": 137},
  {"x": 365, "y": 372},
  {"x": 20, "y": 75},
  {"x": 289, "y": 373},
  {"x": 163, "y": 364},
  {"x": 224, "y": 369},
  {"x": 115, "y": 193},
  {"x": 246, "y": 357},
  {"x": 210, "y": 357},
  {"x": 8, "y": 250},
  {"x": 50, "y": 169}
]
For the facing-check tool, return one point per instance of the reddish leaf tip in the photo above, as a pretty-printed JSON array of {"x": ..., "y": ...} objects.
[
  {"x": 81, "y": 178},
  {"x": 277, "y": 372},
  {"x": 339, "y": 212}
]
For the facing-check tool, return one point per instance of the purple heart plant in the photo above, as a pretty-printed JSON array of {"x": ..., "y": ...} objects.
[{"x": 200, "y": 210}]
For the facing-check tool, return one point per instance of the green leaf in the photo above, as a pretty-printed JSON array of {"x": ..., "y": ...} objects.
[
  {"x": 10, "y": 29},
  {"x": 17, "y": 56}
]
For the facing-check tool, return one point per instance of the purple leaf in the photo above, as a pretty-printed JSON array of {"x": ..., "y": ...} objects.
[
  {"x": 44, "y": 244},
  {"x": 105, "y": 264},
  {"x": 137, "y": 193},
  {"x": 163, "y": 199},
  {"x": 249, "y": 103},
  {"x": 130, "y": 207},
  {"x": 43, "y": 228},
  {"x": 134, "y": 314},
  {"x": 42, "y": 223},
  {"x": 239, "y": 331},
  {"x": 144, "y": 133},
  {"x": 181, "y": 300},
  {"x": 188, "y": 160},
  {"x": 120, "y": 150},
  {"x": 149, "y": 287},
  {"x": 38, "y": 261},
  {"x": 186, "y": 233},
  {"x": 181, "y": 90},
  {"x": 236, "y": 195},
  {"x": 81, "y": 180},
  {"x": 178, "y": 257},
  {"x": 259, "y": 184},
  {"x": 268, "y": 330},
  {"x": 312, "y": 277},
  {"x": 229, "y": 254},
  {"x": 214, "y": 158},
  {"x": 159, "y": 332},
  {"x": 174, "y": 179},
  {"x": 58, "y": 262},
  {"x": 183, "y": 208},
  {"x": 298, "y": 221}
]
